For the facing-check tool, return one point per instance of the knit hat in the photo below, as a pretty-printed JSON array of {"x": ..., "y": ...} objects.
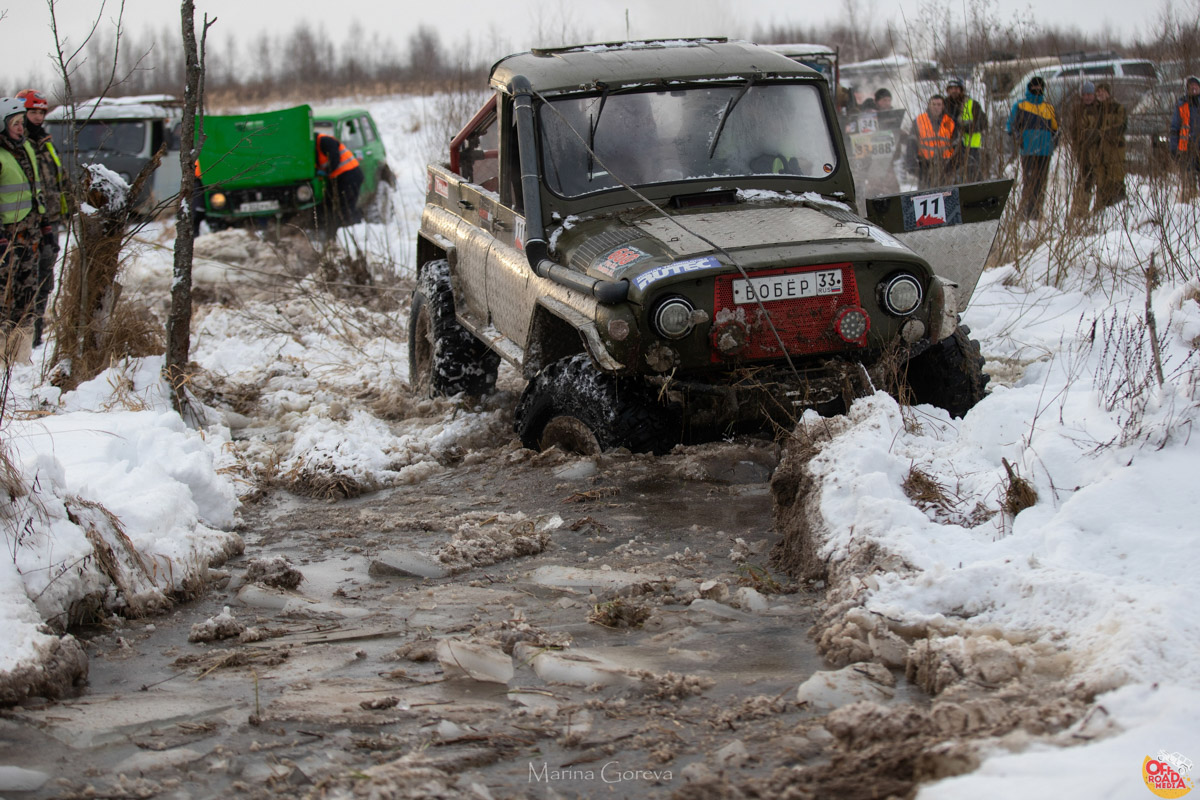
[
  {"x": 1037, "y": 84},
  {"x": 1191, "y": 79},
  {"x": 955, "y": 82},
  {"x": 1087, "y": 88}
]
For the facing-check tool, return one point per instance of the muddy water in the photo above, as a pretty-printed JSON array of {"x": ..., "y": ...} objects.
[{"x": 341, "y": 691}]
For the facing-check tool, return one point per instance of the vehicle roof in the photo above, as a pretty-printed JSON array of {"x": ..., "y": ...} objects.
[
  {"x": 118, "y": 108},
  {"x": 624, "y": 63},
  {"x": 327, "y": 114}
]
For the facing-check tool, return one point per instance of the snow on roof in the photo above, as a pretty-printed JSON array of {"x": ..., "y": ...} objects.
[{"x": 149, "y": 106}]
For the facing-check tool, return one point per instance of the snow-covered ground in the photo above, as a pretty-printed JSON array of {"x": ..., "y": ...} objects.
[{"x": 1093, "y": 582}]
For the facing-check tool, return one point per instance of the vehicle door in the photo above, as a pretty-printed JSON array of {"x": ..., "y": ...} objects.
[
  {"x": 510, "y": 297},
  {"x": 477, "y": 157},
  {"x": 350, "y": 134},
  {"x": 167, "y": 177},
  {"x": 373, "y": 155}
]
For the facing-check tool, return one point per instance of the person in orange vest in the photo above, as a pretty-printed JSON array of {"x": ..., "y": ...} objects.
[
  {"x": 344, "y": 176},
  {"x": 1185, "y": 136},
  {"x": 935, "y": 142}
]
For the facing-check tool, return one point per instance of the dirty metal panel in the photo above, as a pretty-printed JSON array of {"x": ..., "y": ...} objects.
[
  {"x": 750, "y": 227},
  {"x": 957, "y": 252}
]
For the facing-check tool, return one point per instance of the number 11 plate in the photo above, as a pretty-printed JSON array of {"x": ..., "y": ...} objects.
[{"x": 788, "y": 287}]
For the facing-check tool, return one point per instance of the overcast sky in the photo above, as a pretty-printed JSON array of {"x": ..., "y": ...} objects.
[{"x": 514, "y": 24}]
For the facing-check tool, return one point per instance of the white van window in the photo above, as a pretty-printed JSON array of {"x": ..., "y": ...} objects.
[
  {"x": 1106, "y": 69},
  {"x": 1142, "y": 69}
]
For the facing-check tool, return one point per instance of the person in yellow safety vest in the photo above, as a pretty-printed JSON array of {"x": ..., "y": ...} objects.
[
  {"x": 337, "y": 163},
  {"x": 1185, "y": 136},
  {"x": 54, "y": 190},
  {"x": 935, "y": 144},
  {"x": 971, "y": 118},
  {"x": 21, "y": 231}
]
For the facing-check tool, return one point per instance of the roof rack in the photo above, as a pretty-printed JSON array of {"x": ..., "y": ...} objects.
[{"x": 636, "y": 43}]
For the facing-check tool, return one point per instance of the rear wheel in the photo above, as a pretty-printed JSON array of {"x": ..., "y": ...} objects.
[
  {"x": 574, "y": 405},
  {"x": 444, "y": 358},
  {"x": 949, "y": 374}
]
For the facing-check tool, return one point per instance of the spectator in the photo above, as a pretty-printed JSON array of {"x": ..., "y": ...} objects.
[
  {"x": 21, "y": 231},
  {"x": 1033, "y": 120},
  {"x": 935, "y": 144},
  {"x": 1185, "y": 137},
  {"x": 883, "y": 99},
  {"x": 54, "y": 194},
  {"x": 337, "y": 164},
  {"x": 1110, "y": 178},
  {"x": 1082, "y": 123},
  {"x": 971, "y": 118}
]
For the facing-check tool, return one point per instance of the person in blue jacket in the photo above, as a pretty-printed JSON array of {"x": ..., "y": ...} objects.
[{"x": 1033, "y": 121}]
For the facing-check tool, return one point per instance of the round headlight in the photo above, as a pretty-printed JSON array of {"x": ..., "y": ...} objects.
[
  {"x": 304, "y": 193},
  {"x": 901, "y": 294},
  {"x": 217, "y": 199},
  {"x": 673, "y": 318},
  {"x": 852, "y": 325}
]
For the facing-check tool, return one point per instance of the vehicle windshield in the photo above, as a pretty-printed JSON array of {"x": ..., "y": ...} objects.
[
  {"x": 126, "y": 136},
  {"x": 642, "y": 138}
]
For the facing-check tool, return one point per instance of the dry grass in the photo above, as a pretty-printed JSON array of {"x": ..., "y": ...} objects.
[
  {"x": 1019, "y": 493},
  {"x": 618, "y": 613}
]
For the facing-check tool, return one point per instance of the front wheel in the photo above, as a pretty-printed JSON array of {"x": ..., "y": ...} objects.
[
  {"x": 574, "y": 405},
  {"x": 949, "y": 374},
  {"x": 444, "y": 358}
]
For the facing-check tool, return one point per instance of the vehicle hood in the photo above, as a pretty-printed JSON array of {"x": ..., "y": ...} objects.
[{"x": 650, "y": 248}]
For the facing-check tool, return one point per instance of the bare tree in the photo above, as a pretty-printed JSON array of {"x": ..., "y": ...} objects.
[{"x": 179, "y": 321}]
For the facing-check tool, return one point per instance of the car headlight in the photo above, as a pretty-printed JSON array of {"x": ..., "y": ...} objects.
[
  {"x": 673, "y": 318},
  {"x": 900, "y": 294},
  {"x": 217, "y": 199},
  {"x": 304, "y": 193}
]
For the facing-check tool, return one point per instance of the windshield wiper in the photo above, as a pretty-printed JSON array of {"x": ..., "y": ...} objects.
[{"x": 733, "y": 101}]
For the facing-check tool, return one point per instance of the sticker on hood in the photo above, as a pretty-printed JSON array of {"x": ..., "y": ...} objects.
[
  {"x": 676, "y": 268},
  {"x": 618, "y": 259}
]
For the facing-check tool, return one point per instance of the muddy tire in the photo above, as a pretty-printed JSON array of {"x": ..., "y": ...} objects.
[
  {"x": 444, "y": 358},
  {"x": 949, "y": 374},
  {"x": 574, "y": 405}
]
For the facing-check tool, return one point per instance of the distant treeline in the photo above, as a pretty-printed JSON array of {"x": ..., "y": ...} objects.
[{"x": 305, "y": 63}]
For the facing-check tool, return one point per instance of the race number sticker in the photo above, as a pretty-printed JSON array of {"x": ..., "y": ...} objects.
[{"x": 932, "y": 210}]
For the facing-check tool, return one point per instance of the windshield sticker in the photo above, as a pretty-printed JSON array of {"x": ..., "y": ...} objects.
[
  {"x": 677, "y": 268},
  {"x": 616, "y": 260}
]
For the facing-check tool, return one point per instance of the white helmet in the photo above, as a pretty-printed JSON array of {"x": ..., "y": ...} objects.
[{"x": 10, "y": 106}]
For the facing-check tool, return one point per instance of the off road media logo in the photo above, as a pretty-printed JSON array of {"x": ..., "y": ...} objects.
[{"x": 1167, "y": 774}]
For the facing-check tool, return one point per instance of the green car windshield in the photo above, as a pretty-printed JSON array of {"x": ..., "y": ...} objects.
[{"x": 593, "y": 143}]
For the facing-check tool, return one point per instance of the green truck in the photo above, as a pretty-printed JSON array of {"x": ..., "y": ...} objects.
[{"x": 264, "y": 165}]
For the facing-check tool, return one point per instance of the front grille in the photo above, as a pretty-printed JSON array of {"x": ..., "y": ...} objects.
[
  {"x": 284, "y": 195},
  {"x": 805, "y": 325}
]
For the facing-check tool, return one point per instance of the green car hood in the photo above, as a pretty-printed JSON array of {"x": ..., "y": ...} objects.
[{"x": 266, "y": 149}]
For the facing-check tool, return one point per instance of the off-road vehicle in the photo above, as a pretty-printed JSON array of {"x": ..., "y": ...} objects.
[
  {"x": 264, "y": 165},
  {"x": 660, "y": 237}
]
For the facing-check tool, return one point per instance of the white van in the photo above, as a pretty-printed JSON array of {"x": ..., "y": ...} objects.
[{"x": 123, "y": 134}]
